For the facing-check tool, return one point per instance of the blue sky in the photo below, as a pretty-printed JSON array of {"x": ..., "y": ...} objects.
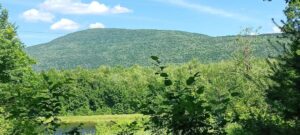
[{"x": 41, "y": 21}]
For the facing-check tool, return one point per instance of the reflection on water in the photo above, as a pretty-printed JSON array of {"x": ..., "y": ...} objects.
[{"x": 82, "y": 129}]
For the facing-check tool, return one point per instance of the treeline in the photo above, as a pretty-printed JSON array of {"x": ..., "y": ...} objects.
[
  {"x": 106, "y": 90},
  {"x": 120, "y": 90}
]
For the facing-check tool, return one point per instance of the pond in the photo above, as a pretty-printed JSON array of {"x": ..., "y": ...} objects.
[{"x": 83, "y": 129}]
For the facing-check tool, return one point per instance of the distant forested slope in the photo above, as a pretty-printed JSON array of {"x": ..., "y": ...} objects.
[{"x": 95, "y": 47}]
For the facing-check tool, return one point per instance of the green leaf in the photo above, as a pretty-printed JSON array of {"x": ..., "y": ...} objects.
[
  {"x": 207, "y": 108},
  {"x": 214, "y": 101},
  {"x": 162, "y": 67},
  {"x": 190, "y": 81},
  {"x": 168, "y": 82},
  {"x": 298, "y": 52},
  {"x": 221, "y": 110},
  {"x": 226, "y": 100},
  {"x": 154, "y": 58},
  {"x": 197, "y": 74},
  {"x": 234, "y": 94},
  {"x": 200, "y": 90},
  {"x": 164, "y": 75}
]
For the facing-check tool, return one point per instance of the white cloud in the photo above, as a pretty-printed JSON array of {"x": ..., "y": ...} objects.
[
  {"x": 119, "y": 9},
  {"x": 78, "y": 7},
  {"x": 34, "y": 15},
  {"x": 207, "y": 9},
  {"x": 96, "y": 25},
  {"x": 276, "y": 30},
  {"x": 65, "y": 24}
]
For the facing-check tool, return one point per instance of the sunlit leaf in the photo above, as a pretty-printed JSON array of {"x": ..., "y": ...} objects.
[{"x": 298, "y": 52}]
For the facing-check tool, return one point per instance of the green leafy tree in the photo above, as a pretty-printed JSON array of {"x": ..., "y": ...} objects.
[
  {"x": 30, "y": 101},
  {"x": 181, "y": 108},
  {"x": 284, "y": 92},
  {"x": 14, "y": 62},
  {"x": 15, "y": 65}
]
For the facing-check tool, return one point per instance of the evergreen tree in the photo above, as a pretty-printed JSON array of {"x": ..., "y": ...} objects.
[
  {"x": 30, "y": 101},
  {"x": 14, "y": 68},
  {"x": 284, "y": 92},
  {"x": 13, "y": 60}
]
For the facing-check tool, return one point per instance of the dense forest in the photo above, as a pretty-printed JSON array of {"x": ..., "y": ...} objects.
[
  {"x": 244, "y": 94},
  {"x": 94, "y": 47}
]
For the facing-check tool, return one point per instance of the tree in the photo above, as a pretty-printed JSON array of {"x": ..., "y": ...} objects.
[
  {"x": 284, "y": 92},
  {"x": 14, "y": 62},
  {"x": 30, "y": 101},
  {"x": 181, "y": 108}
]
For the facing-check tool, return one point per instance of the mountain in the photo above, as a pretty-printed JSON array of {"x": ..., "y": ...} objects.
[{"x": 94, "y": 47}]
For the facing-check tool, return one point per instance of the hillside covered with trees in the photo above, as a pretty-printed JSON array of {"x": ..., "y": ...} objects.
[{"x": 121, "y": 47}]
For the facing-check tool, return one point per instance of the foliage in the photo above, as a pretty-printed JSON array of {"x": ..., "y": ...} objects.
[
  {"x": 236, "y": 129},
  {"x": 14, "y": 62},
  {"x": 14, "y": 70},
  {"x": 120, "y": 47},
  {"x": 131, "y": 128},
  {"x": 30, "y": 102},
  {"x": 106, "y": 90},
  {"x": 109, "y": 124},
  {"x": 181, "y": 108},
  {"x": 5, "y": 125},
  {"x": 284, "y": 92}
]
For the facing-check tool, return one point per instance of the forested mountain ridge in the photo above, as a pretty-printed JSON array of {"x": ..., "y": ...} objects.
[{"x": 94, "y": 47}]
